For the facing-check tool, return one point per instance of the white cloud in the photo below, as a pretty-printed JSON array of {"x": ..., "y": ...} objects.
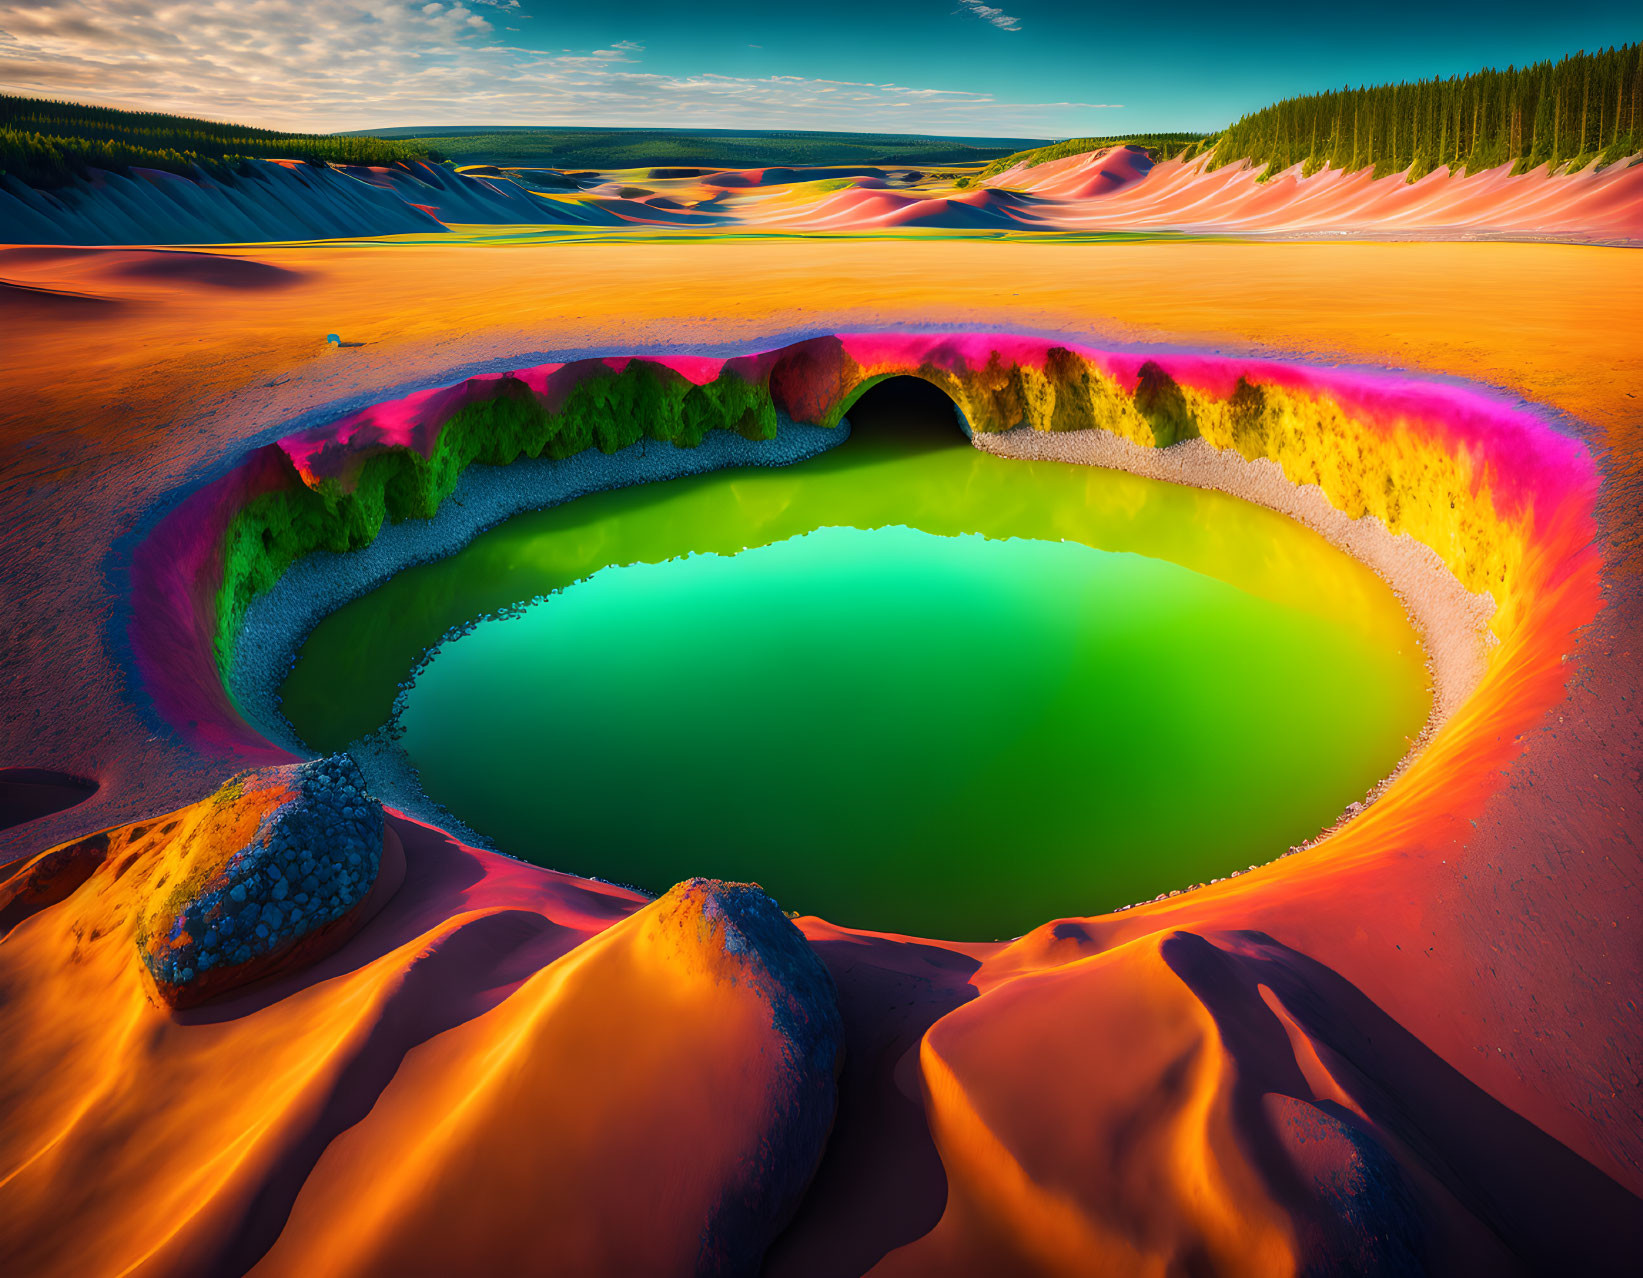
[
  {"x": 350, "y": 64},
  {"x": 987, "y": 13}
]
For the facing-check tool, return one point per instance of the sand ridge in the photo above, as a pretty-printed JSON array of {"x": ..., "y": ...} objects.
[{"x": 1116, "y": 188}]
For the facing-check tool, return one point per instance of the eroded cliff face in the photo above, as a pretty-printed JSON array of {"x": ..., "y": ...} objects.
[{"x": 274, "y": 202}]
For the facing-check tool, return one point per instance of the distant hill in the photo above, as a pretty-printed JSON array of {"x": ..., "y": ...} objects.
[
  {"x": 588, "y": 148},
  {"x": 47, "y": 144},
  {"x": 1158, "y": 145}
]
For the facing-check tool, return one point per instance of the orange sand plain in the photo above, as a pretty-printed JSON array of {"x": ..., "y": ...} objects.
[
  {"x": 1485, "y": 974},
  {"x": 1559, "y": 323}
]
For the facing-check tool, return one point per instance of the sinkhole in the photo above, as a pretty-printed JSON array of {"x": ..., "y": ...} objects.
[{"x": 904, "y": 685}]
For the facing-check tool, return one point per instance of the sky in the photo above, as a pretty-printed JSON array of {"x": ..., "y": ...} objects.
[{"x": 1017, "y": 68}]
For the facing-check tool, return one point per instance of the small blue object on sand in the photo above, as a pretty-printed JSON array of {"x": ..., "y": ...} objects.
[{"x": 333, "y": 339}]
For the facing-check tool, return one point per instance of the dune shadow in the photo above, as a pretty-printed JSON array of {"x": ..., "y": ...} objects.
[
  {"x": 1550, "y": 1208},
  {"x": 28, "y": 793},
  {"x": 447, "y": 982},
  {"x": 209, "y": 270},
  {"x": 880, "y": 1183},
  {"x": 28, "y": 303}
]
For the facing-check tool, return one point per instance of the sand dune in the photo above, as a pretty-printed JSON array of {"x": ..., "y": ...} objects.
[
  {"x": 277, "y": 202},
  {"x": 208, "y": 269},
  {"x": 463, "y": 197},
  {"x": 1606, "y": 205},
  {"x": 648, "y": 1084},
  {"x": 733, "y": 178},
  {"x": 1121, "y": 190},
  {"x": 1117, "y": 189},
  {"x": 22, "y": 302},
  {"x": 1078, "y": 177}
]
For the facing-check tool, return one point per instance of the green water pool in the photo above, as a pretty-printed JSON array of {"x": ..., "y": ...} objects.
[{"x": 905, "y": 685}]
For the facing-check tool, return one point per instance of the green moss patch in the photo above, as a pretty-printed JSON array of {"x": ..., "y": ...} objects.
[{"x": 608, "y": 411}]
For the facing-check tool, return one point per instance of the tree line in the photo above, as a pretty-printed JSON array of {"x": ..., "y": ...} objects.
[
  {"x": 1566, "y": 114},
  {"x": 47, "y": 144}
]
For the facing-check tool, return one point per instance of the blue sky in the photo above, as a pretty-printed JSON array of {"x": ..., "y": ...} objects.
[{"x": 1015, "y": 67}]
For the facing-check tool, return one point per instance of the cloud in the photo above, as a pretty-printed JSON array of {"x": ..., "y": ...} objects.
[
  {"x": 353, "y": 64},
  {"x": 986, "y": 12}
]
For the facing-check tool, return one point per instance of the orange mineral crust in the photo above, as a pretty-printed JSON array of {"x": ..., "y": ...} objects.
[{"x": 1414, "y": 1043}]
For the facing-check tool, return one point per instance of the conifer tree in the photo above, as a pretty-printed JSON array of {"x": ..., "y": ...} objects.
[{"x": 1583, "y": 107}]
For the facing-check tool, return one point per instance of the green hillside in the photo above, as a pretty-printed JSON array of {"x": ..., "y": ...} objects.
[
  {"x": 47, "y": 143},
  {"x": 568, "y": 148}
]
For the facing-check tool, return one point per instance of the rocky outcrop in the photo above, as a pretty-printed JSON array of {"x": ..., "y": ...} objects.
[
  {"x": 757, "y": 945},
  {"x": 247, "y": 903}
]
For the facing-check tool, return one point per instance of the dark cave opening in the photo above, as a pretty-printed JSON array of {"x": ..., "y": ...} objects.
[{"x": 910, "y": 409}]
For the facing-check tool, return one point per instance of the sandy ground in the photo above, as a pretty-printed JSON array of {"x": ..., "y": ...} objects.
[{"x": 1515, "y": 957}]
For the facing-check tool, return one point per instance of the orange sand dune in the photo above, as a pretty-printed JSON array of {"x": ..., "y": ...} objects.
[
  {"x": 541, "y": 1050},
  {"x": 1222, "y": 1102}
]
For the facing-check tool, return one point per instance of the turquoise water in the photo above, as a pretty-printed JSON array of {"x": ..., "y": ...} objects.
[{"x": 949, "y": 735}]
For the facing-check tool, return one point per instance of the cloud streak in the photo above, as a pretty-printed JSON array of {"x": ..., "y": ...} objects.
[
  {"x": 987, "y": 13},
  {"x": 352, "y": 64}
]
